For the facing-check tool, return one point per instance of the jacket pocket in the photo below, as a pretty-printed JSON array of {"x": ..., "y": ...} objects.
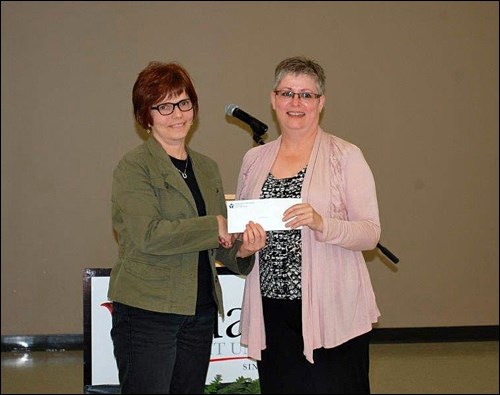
[{"x": 147, "y": 271}]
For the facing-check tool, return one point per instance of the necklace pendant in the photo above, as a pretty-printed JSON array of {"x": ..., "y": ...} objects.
[{"x": 183, "y": 173}]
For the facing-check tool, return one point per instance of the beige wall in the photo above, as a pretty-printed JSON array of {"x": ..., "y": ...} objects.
[{"x": 414, "y": 85}]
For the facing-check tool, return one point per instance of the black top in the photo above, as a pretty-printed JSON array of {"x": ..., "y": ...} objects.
[
  {"x": 280, "y": 259},
  {"x": 205, "y": 296}
]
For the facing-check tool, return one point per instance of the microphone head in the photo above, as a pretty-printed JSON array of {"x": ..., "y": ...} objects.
[{"x": 230, "y": 108}]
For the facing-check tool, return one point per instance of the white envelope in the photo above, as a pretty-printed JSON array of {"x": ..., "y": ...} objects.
[{"x": 266, "y": 212}]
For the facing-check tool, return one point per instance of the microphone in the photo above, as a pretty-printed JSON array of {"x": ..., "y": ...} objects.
[{"x": 257, "y": 126}]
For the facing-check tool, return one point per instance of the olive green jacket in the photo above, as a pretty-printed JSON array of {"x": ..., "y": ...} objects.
[{"x": 160, "y": 233}]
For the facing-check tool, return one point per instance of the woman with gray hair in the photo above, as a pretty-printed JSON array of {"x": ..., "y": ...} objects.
[{"x": 308, "y": 305}]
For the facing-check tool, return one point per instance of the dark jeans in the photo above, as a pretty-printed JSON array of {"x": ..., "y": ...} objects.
[
  {"x": 284, "y": 369},
  {"x": 162, "y": 353}
]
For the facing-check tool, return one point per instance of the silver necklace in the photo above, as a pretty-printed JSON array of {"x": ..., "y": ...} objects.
[{"x": 184, "y": 173}]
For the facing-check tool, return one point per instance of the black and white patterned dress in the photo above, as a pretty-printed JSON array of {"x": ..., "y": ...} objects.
[{"x": 280, "y": 259}]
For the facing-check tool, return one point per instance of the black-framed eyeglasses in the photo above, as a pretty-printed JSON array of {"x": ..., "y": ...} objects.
[
  {"x": 288, "y": 95},
  {"x": 168, "y": 108}
]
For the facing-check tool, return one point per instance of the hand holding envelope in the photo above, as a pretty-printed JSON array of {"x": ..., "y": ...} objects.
[
  {"x": 253, "y": 239},
  {"x": 266, "y": 212}
]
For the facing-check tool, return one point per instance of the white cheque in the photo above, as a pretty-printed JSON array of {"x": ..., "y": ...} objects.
[{"x": 266, "y": 212}]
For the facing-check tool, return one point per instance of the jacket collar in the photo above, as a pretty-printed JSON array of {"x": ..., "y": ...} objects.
[
  {"x": 171, "y": 175},
  {"x": 167, "y": 169}
]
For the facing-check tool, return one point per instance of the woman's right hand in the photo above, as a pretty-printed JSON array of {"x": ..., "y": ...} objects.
[{"x": 225, "y": 238}]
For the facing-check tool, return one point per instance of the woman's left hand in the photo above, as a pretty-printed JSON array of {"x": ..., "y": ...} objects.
[{"x": 303, "y": 214}]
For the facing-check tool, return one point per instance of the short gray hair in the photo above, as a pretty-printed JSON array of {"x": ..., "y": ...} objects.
[{"x": 300, "y": 65}]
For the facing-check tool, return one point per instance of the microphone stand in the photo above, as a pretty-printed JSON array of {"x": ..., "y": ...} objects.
[
  {"x": 388, "y": 253},
  {"x": 257, "y": 134},
  {"x": 257, "y": 137}
]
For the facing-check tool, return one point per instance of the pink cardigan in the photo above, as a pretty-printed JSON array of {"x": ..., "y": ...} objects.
[{"x": 338, "y": 302}]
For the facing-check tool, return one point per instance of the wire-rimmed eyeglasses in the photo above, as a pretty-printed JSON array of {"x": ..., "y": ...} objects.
[
  {"x": 288, "y": 95},
  {"x": 168, "y": 108}
]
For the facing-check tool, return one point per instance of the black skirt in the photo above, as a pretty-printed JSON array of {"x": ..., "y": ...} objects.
[{"x": 284, "y": 369}]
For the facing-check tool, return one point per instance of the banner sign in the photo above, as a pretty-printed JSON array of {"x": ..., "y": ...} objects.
[{"x": 229, "y": 358}]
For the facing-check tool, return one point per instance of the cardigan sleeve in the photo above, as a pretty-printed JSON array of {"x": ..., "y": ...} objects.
[{"x": 361, "y": 230}]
